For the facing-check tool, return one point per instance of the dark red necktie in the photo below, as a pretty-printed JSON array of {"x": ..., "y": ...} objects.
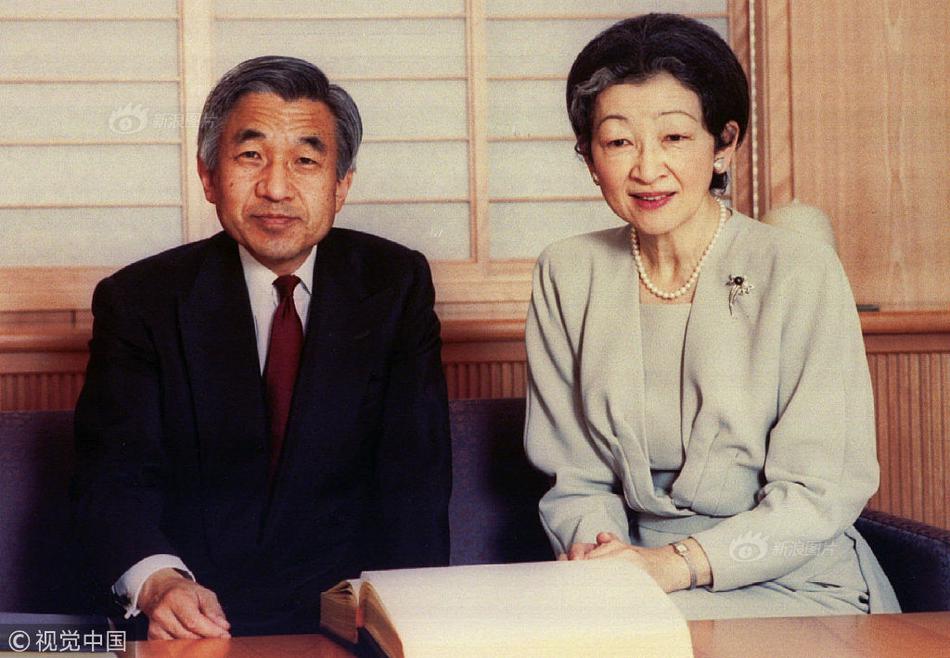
[{"x": 280, "y": 369}]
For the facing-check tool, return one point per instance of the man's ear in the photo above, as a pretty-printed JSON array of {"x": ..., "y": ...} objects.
[
  {"x": 342, "y": 189},
  {"x": 207, "y": 181}
]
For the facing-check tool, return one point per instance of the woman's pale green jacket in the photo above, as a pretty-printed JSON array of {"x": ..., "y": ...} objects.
[{"x": 777, "y": 410}]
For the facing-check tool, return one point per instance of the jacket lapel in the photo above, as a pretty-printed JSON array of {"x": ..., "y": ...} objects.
[
  {"x": 713, "y": 339},
  {"x": 612, "y": 364},
  {"x": 340, "y": 350},
  {"x": 613, "y": 367},
  {"x": 220, "y": 349}
]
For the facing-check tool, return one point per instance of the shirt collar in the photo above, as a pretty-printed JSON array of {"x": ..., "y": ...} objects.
[{"x": 259, "y": 278}]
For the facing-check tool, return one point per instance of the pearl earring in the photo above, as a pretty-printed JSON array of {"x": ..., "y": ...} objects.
[{"x": 718, "y": 165}]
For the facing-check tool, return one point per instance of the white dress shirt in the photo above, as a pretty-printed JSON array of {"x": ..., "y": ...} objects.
[{"x": 264, "y": 299}]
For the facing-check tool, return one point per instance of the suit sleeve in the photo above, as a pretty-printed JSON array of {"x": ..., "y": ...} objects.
[
  {"x": 585, "y": 496},
  {"x": 821, "y": 465},
  {"x": 413, "y": 462},
  {"x": 117, "y": 487}
]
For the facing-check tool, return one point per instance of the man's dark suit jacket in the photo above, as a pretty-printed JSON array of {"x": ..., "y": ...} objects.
[{"x": 171, "y": 429}]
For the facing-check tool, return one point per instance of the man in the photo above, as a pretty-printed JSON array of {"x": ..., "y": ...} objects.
[{"x": 264, "y": 412}]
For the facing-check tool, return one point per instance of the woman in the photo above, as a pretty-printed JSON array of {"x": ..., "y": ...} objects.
[{"x": 698, "y": 384}]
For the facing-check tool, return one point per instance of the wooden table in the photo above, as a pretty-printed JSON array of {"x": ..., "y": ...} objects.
[
  {"x": 914, "y": 635},
  {"x": 918, "y": 635}
]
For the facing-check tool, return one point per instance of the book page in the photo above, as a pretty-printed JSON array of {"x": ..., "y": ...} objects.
[
  {"x": 378, "y": 623},
  {"x": 340, "y": 612},
  {"x": 604, "y": 607}
]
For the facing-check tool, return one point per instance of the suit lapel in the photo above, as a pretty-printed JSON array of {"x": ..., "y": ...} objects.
[
  {"x": 220, "y": 349},
  {"x": 340, "y": 350}
]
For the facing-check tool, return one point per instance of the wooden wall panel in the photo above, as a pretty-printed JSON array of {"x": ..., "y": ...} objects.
[
  {"x": 486, "y": 380},
  {"x": 484, "y": 360},
  {"x": 39, "y": 390},
  {"x": 912, "y": 400},
  {"x": 908, "y": 357},
  {"x": 38, "y": 380},
  {"x": 58, "y": 389},
  {"x": 869, "y": 109}
]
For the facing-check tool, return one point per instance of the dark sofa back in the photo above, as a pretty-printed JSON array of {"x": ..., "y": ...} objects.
[
  {"x": 915, "y": 557},
  {"x": 493, "y": 511},
  {"x": 36, "y": 551}
]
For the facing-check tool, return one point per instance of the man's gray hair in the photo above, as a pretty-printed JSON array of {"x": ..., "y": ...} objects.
[{"x": 291, "y": 79}]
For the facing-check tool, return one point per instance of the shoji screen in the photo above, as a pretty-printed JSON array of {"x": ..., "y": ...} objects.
[
  {"x": 467, "y": 154},
  {"x": 90, "y": 137},
  {"x": 405, "y": 64}
]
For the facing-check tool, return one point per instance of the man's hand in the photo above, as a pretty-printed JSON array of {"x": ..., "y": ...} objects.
[{"x": 180, "y": 608}]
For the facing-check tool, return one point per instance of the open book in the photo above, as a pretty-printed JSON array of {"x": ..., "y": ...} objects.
[{"x": 605, "y": 607}]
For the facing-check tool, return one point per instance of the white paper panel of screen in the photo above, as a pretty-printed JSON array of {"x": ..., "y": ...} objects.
[
  {"x": 522, "y": 230},
  {"x": 94, "y": 237},
  {"x": 438, "y": 230},
  {"x": 533, "y": 169},
  {"x": 548, "y": 47},
  {"x": 411, "y": 109},
  {"x": 96, "y": 49},
  {"x": 345, "y": 48},
  {"x": 582, "y": 7},
  {"x": 528, "y": 108},
  {"x": 525, "y": 48},
  {"x": 254, "y": 8},
  {"x": 90, "y": 112},
  {"x": 420, "y": 170},
  {"x": 101, "y": 174},
  {"x": 111, "y": 8}
]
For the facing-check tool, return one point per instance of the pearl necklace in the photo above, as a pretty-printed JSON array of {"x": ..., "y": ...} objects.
[{"x": 682, "y": 290}]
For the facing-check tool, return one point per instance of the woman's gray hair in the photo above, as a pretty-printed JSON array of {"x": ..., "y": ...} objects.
[
  {"x": 580, "y": 109},
  {"x": 291, "y": 79}
]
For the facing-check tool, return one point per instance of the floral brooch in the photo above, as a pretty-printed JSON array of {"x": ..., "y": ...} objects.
[{"x": 739, "y": 286}]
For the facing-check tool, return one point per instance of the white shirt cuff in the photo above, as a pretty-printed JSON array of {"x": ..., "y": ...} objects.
[{"x": 127, "y": 588}]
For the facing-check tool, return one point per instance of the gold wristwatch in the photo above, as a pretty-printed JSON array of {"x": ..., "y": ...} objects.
[{"x": 683, "y": 551}]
